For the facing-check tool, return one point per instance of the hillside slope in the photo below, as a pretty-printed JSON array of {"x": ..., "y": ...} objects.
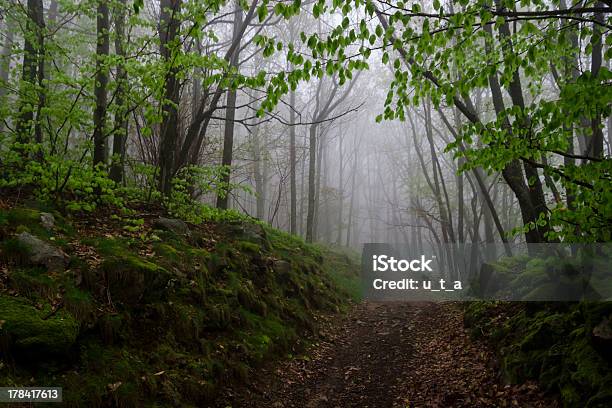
[{"x": 147, "y": 310}]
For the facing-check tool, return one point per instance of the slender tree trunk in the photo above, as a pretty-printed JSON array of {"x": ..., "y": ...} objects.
[
  {"x": 292, "y": 165},
  {"x": 169, "y": 27},
  {"x": 460, "y": 189},
  {"x": 121, "y": 115},
  {"x": 258, "y": 176},
  {"x": 317, "y": 198},
  {"x": 230, "y": 114},
  {"x": 5, "y": 62},
  {"x": 302, "y": 187},
  {"x": 100, "y": 151},
  {"x": 349, "y": 222},
  {"x": 312, "y": 151},
  {"x": 340, "y": 189},
  {"x": 5, "y": 57},
  {"x": 33, "y": 51},
  {"x": 596, "y": 142}
]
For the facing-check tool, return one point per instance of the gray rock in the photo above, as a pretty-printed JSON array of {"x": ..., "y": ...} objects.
[
  {"x": 281, "y": 267},
  {"x": 177, "y": 226},
  {"x": 247, "y": 231},
  {"x": 47, "y": 220},
  {"x": 42, "y": 253},
  {"x": 604, "y": 329}
]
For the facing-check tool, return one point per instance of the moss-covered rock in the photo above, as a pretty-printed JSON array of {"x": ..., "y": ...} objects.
[
  {"x": 130, "y": 278},
  {"x": 28, "y": 330}
]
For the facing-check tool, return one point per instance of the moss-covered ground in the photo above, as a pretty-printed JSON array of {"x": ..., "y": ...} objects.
[
  {"x": 551, "y": 342},
  {"x": 142, "y": 317}
]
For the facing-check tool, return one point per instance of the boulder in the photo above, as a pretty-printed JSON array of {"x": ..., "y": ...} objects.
[
  {"x": 42, "y": 253},
  {"x": 47, "y": 220},
  {"x": 174, "y": 225}
]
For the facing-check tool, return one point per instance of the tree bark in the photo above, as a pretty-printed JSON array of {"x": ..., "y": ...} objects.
[
  {"x": 292, "y": 166},
  {"x": 121, "y": 119},
  {"x": 100, "y": 151},
  {"x": 33, "y": 59},
  {"x": 312, "y": 143},
  {"x": 349, "y": 222},
  {"x": 340, "y": 188},
  {"x": 258, "y": 176},
  {"x": 230, "y": 114},
  {"x": 169, "y": 26},
  {"x": 596, "y": 143},
  {"x": 535, "y": 189}
]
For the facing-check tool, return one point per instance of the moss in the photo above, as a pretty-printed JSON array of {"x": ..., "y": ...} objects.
[
  {"x": 130, "y": 278},
  {"x": 33, "y": 282},
  {"x": 36, "y": 332},
  {"x": 23, "y": 216},
  {"x": 80, "y": 304},
  {"x": 14, "y": 251},
  {"x": 166, "y": 251},
  {"x": 550, "y": 343},
  {"x": 249, "y": 247}
]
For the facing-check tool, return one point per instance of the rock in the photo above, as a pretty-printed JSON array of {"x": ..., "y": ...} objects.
[
  {"x": 33, "y": 332},
  {"x": 131, "y": 279},
  {"x": 174, "y": 225},
  {"x": 47, "y": 220},
  {"x": 281, "y": 267},
  {"x": 42, "y": 253},
  {"x": 282, "y": 273},
  {"x": 603, "y": 330},
  {"x": 246, "y": 231}
]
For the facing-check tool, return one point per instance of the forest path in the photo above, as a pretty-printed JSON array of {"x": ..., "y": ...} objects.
[{"x": 389, "y": 355}]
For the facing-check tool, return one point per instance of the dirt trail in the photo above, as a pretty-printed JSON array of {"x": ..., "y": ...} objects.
[{"x": 389, "y": 355}]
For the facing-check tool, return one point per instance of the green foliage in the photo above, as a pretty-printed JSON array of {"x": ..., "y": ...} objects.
[
  {"x": 447, "y": 59},
  {"x": 200, "y": 181}
]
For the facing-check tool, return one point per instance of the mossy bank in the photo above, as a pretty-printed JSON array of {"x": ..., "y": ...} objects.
[
  {"x": 149, "y": 314},
  {"x": 565, "y": 346}
]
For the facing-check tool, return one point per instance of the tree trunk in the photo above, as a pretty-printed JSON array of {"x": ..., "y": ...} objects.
[
  {"x": 258, "y": 176},
  {"x": 169, "y": 27},
  {"x": 5, "y": 62},
  {"x": 292, "y": 165},
  {"x": 121, "y": 120},
  {"x": 596, "y": 142},
  {"x": 312, "y": 149},
  {"x": 100, "y": 151},
  {"x": 535, "y": 190},
  {"x": 340, "y": 189},
  {"x": 317, "y": 200},
  {"x": 230, "y": 114},
  {"x": 5, "y": 57},
  {"x": 349, "y": 222},
  {"x": 33, "y": 52}
]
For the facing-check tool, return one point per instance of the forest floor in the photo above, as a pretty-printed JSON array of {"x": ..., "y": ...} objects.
[{"x": 388, "y": 355}]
